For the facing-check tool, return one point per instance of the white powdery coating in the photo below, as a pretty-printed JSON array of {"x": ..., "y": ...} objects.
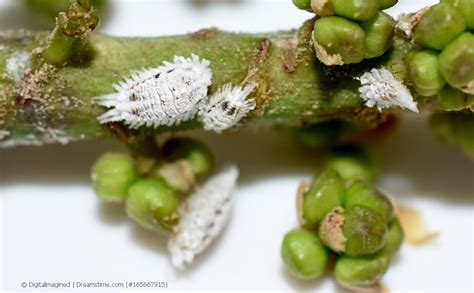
[
  {"x": 382, "y": 89},
  {"x": 202, "y": 217},
  {"x": 165, "y": 95},
  {"x": 17, "y": 64},
  {"x": 227, "y": 107}
]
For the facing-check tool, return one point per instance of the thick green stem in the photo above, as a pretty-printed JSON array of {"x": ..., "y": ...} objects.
[{"x": 53, "y": 103}]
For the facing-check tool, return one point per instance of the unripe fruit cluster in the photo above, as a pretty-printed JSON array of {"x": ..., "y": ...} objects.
[
  {"x": 349, "y": 31},
  {"x": 444, "y": 66},
  {"x": 152, "y": 198},
  {"x": 347, "y": 218}
]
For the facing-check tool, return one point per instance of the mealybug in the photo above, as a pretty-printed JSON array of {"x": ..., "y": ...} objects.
[
  {"x": 165, "y": 95},
  {"x": 203, "y": 216},
  {"x": 379, "y": 87},
  {"x": 227, "y": 107}
]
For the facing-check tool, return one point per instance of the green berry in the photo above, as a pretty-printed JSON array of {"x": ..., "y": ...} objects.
[
  {"x": 153, "y": 204},
  {"x": 322, "y": 7},
  {"x": 356, "y": 9},
  {"x": 355, "y": 231},
  {"x": 352, "y": 162},
  {"x": 193, "y": 151},
  {"x": 304, "y": 255},
  {"x": 451, "y": 99},
  {"x": 338, "y": 41},
  {"x": 303, "y": 4},
  {"x": 363, "y": 194},
  {"x": 466, "y": 7},
  {"x": 424, "y": 73},
  {"x": 456, "y": 63},
  {"x": 394, "y": 238},
  {"x": 326, "y": 193},
  {"x": 112, "y": 175},
  {"x": 388, "y": 3},
  {"x": 439, "y": 26},
  {"x": 361, "y": 271},
  {"x": 379, "y": 32},
  {"x": 364, "y": 229}
]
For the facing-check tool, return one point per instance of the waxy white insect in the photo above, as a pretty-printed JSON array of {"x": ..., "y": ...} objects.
[
  {"x": 165, "y": 95},
  {"x": 379, "y": 87},
  {"x": 17, "y": 64},
  {"x": 227, "y": 107},
  {"x": 203, "y": 216}
]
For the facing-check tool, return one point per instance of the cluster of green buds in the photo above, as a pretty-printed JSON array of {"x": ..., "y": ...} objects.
[
  {"x": 349, "y": 31},
  {"x": 346, "y": 218},
  {"x": 152, "y": 198},
  {"x": 444, "y": 63}
]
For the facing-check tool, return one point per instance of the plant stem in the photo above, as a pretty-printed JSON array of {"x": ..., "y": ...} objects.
[{"x": 53, "y": 103}]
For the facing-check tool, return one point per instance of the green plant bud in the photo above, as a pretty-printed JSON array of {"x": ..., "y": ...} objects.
[
  {"x": 466, "y": 7},
  {"x": 356, "y": 9},
  {"x": 193, "y": 151},
  {"x": 303, "y": 254},
  {"x": 326, "y": 193},
  {"x": 394, "y": 238},
  {"x": 59, "y": 49},
  {"x": 112, "y": 176},
  {"x": 456, "y": 63},
  {"x": 424, "y": 73},
  {"x": 153, "y": 204},
  {"x": 361, "y": 271},
  {"x": 322, "y": 7},
  {"x": 338, "y": 41},
  {"x": 355, "y": 231},
  {"x": 379, "y": 32},
  {"x": 451, "y": 99},
  {"x": 385, "y": 4},
  {"x": 352, "y": 162},
  {"x": 364, "y": 229},
  {"x": 362, "y": 193},
  {"x": 439, "y": 26},
  {"x": 303, "y": 4}
]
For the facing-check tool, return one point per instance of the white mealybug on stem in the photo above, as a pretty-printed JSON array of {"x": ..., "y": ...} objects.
[
  {"x": 165, "y": 95},
  {"x": 203, "y": 216},
  {"x": 227, "y": 107},
  {"x": 379, "y": 87}
]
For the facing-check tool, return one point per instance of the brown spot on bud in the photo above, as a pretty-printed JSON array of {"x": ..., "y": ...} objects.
[{"x": 330, "y": 230}]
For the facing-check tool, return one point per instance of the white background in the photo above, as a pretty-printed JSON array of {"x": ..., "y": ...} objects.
[{"x": 54, "y": 229}]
